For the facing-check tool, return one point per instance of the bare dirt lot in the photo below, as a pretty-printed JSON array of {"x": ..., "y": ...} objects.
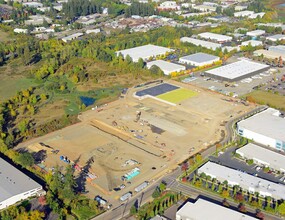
[{"x": 163, "y": 136}]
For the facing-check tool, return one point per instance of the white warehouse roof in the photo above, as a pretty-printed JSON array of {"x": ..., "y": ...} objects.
[
  {"x": 216, "y": 37},
  {"x": 276, "y": 37},
  {"x": 200, "y": 58},
  {"x": 237, "y": 69},
  {"x": 267, "y": 123},
  {"x": 244, "y": 180},
  {"x": 13, "y": 182},
  {"x": 253, "y": 43},
  {"x": 255, "y": 33},
  {"x": 202, "y": 43},
  {"x": 166, "y": 67},
  {"x": 263, "y": 156},
  {"x": 144, "y": 52},
  {"x": 271, "y": 54},
  {"x": 214, "y": 212}
]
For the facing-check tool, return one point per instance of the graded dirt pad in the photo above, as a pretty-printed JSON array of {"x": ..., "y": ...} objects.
[{"x": 155, "y": 134}]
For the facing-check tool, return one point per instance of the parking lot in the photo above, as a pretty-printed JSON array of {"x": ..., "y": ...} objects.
[{"x": 241, "y": 87}]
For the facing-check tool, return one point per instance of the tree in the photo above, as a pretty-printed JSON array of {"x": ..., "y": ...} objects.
[
  {"x": 242, "y": 208},
  {"x": 156, "y": 193},
  {"x": 225, "y": 193},
  {"x": 133, "y": 210},
  {"x": 162, "y": 187},
  {"x": 281, "y": 209},
  {"x": 25, "y": 159}
]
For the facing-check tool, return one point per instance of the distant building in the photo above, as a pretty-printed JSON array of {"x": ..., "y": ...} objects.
[
  {"x": 71, "y": 37},
  {"x": 263, "y": 156},
  {"x": 166, "y": 67},
  {"x": 215, "y": 37},
  {"x": 205, "y": 210},
  {"x": 33, "y": 4},
  {"x": 276, "y": 37},
  {"x": 145, "y": 52},
  {"x": 199, "y": 59},
  {"x": 270, "y": 54},
  {"x": 95, "y": 31},
  {"x": 266, "y": 127},
  {"x": 237, "y": 71},
  {"x": 255, "y": 33},
  {"x": 15, "y": 186},
  {"x": 20, "y": 31},
  {"x": 240, "y": 8},
  {"x": 205, "y": 8},
  {"x": 202, "y": 43},
  {"x": 168, "y": 5},
  {"x": 37, "y": 20},
  {"x": 256, "y": 15},
  {"x": 254, "y": 43},
  {"x": 243, "y": 13}
]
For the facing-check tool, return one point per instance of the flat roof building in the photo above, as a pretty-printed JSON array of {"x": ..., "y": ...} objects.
[
  {"x": 196, "y": 211},
  {"x": 215, "y": 37},
  {"x": 199, "y": 59},
  {"x": 202, "y": 43},
  {"x": 270, "y": 54},
  {"x": 71, "y": 37},
  {"x": 263, "y": 156},
  {"x": 145, "y": 52},
  {"x": 276, "y": 37},
  {"x": 246, "y": 181},
  {"x": 166, "y": 67},
  {"x": 15, "y": 185},
  {"x": 254, "y": 43},
  {"x": 279, "y": 48},
  {"x": 243, "y": 13},
  {"x": 237, "y": 70},
  {"x": 266, "y": 127},
  {"x": 255, "y": 33}
]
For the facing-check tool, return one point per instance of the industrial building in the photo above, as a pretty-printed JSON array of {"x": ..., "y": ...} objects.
[
  {"x": 254, "y": 43},
  {"x": 276, "y": 37},
  {"x": 199, "y": 59},
  {"x": 243, "y": 13},
  {"x": 166, "y": 67},
  {"x": 71, "y": 37},
  {"x": 266, "y": 127},
  {"x": 279, "y": 48},
  {"x": 237, "y": 71},
  {"x": 215, "y": 37},
  {"x": 15, "y": 186},
  {"x": 263, "y": 156},
  {"x": 214, "y": 212},
  {"x": 255, "y": 33},
  {"x": 201, "y": 43},
  {"x": 145, "y": 52},
  {"x": 247, "y": 182},
  {"x": 269, "y": 54}
]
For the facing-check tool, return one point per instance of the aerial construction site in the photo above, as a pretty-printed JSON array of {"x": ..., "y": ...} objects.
[{"x": 146, "y": 132}]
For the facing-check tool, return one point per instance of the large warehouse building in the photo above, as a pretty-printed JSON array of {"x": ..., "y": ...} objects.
[
  {"x": 246, "y": 181},
  {"x": 214, "y": 212},
  {"x": 145, "y": 52},
  {"x": 166, "y": 67},
  {"x": 263, "y": 156},
  {"x": 15, "y": 185},
  {"x": 199, "y": 59},
  {"x": 266, "y": 127},
  {"x": 215, "y": 37},
  {"x": 237, "y": 71},
  {"x": 201, "y": 43}
]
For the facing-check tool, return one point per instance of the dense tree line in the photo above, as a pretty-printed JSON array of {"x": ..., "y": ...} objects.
[
  {"x": 141, "y": 9},
  {"x": 75, "y": 8}
]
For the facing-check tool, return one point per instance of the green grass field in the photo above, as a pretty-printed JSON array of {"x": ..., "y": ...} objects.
[
  {"x": 10, "y": 87},
  {"x": 270, "y": 99},
  {"x": 177, "y": 95}
]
